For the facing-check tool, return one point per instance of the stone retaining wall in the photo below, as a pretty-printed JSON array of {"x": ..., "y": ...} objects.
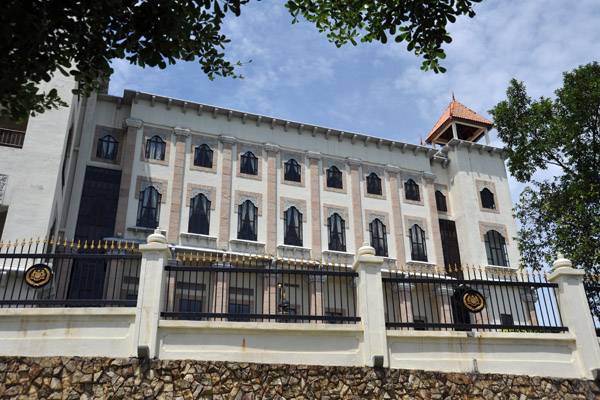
[{"x": 106, "y": 378}]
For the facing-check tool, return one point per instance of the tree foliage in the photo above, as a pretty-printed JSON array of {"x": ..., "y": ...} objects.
[
  {"x": 559, "y": 136},
  {"x": 80, "y": 38}
]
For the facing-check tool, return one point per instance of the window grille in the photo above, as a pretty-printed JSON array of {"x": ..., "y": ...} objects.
[
  {"x": 337, "y": 232},
  {"x": 378, "y": 237},
  {"x": 292, "y": 171},
  {"x": 203, "y": 156},
  {"x": 247, "y": 216},
  {"x": 155, "y": 148},
  {"x": 412, "y": 190},
  {"x": 373, "y": 184},
  {"x": 440, "y": 201},
  {"x": 495, "y": 247},
  {"x": 199, "y": 221},
  {"x": 418, "y": 250},
  {"x": 334, "y": 178},
  {"x": 149, "y": 208},
  {"x": 249, "y": 164},
  {"x": 107, "y": 148},
  {"x": 487, "y": 199},
  {"x": 292, "y": 221}
]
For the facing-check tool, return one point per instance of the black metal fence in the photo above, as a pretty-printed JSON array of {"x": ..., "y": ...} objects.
[
  {"x": 62, "y": 273},
  {"x": 469, "y": 298},
  {"x": 239, "y": 287},
  {"x": 592, "y": 289}
]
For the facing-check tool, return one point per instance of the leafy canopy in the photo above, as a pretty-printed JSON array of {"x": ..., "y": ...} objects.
[
  {"x": 561, "y": 212},
  {"x": 80, "y": 38}
]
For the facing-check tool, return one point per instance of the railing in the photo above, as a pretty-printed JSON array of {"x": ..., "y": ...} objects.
[
  {"x": 236, "y": 287},
  {"x": 68, "y": 274},
  {"x": 11, "y": 138},
  {"x": 467, "y": 298},
  {"x": 592, "y": 290}
]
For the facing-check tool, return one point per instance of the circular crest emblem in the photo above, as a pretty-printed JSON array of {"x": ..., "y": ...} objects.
[
  {"x": 38, "y": 275},
  {"x": 473, "y": 301}
]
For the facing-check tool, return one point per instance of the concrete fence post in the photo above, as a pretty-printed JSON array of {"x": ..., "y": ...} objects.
[
  {"x": 370, "y": 306},
  {"x": 576, "y": 315},
  {"x": 155, "y": 255}
]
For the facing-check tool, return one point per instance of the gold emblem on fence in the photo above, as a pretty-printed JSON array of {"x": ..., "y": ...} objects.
[
  {"x": 38, "y": 275},
  {"x": 473, "y": 301}
]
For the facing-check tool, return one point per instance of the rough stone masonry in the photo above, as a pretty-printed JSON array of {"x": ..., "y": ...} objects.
[{"x": 106, "y": 378}]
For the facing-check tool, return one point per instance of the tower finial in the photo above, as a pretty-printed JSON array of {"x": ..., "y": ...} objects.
[{"x": 453, "y": 95}]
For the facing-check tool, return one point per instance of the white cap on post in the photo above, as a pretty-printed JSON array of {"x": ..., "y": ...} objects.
[{"x": 562, "y": 262}]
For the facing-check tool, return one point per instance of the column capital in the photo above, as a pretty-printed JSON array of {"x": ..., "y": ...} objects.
[
  {"x": 392, "y": 168},
  {"x": 273, "y": 148},
  {"x": 179, "y": 131},
  {"x": 313, "y": 155},
  {"x": 227, "y": 139},
  {"x": 444, "y": 290},
  {"x": 353, "y": 162},
  {"x": 316, "y": 278},
  {"x": 133, "y": 123},
  {"x": 403, "y": 287},
  {"x": 529, "y": 296},
  {"x": 429, "y": 176}
]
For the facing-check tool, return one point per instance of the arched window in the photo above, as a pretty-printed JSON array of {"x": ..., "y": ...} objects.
[
  {"x": 247, "y": 217},
  {"x": 292, "y": 171},
  {"x": 487, "y": 199},
  {"x": 440, "y": 201},
  {"x": 203, "y": 156},
  {"x": 418, "y": 251},
  {"x": 495, "y": 247},
  {"x": 199, "y": 215},
  {"x": 373, "y": 184},
  {"x": 337, "y": 232},
  {"x": 411, "y": 190},
  {"x": 378, "y": 237},
  {"x": 149, "y": 208},
  {"x": 155, "y": 148},
  {"x": 334, "y": 178},
  {"x": 292, "y": 221},
  {"x": 249, "y": 164},
  {"x": 107, "y": 148}
]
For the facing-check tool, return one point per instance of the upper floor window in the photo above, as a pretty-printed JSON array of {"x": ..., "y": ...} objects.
[
  {"x": 495, "y": 247},
  {"x": 107, "y": 148},
  {"x": 334, "y": 178},
  {"x": 337, "y": 232},
  {"x": 292, "y": 171},
  {"x": 247, "y": 217},
  {"x": 378, "y": 237},
  {"x": 440, "y": 201},
  {"x": 373, "y": 184},
  {"x": 292, "y": 221},
  {"x": 155, "y": 148},
  {"x": 249, "y": 164},
  {"x": 487, "y": 199},
  {"x": 203, "y": 156},
  {"x": 418, "y": 251},
  {"x": 199, "y": 221},
  {"x": 149, "y": 208},
  {"x": 412, "y": 190}
]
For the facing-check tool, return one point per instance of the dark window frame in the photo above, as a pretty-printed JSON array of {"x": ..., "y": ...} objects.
[
  {"x": 249, "y": 163},
  {"x": 411, "y": 190},
  {"x": 203, "y": 156},
  {"x": 247, "y": 221},
  {"x": 150, "y": 209},
  {"x": 156, "y": 148},
  {"x": 378, "y": 235},
  {"x": 334, "y": 178},
  {"x": 418, "y": 247},
  {"x": 336, "y": 228},
  {"x": 292, "y": 232},
  {"x": 199, "y": 220},
  {"x": 374, "y": 184},
  {"x": 487, "y": 199},
  {"x": 440, "y": 201},
  {"x": 104, "y": 150},
  {"x": 495, "y": 248},
  {"x": 292, "y": 171}
]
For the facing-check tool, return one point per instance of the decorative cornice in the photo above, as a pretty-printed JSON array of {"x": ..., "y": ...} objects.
[
  {"x": 354, "y": 162},
  {"x": 133, "y": 123},
  {"x": 182, "y": 131},
  {"x": 227, "y": 139},
  {"x": 272, "y": 147},
  {"x": 314, "y": 155}
]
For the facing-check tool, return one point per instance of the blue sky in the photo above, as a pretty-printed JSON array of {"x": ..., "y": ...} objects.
[{"x": 378, "y": 89}]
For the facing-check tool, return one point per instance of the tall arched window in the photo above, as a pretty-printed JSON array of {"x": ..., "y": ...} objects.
[
  {"x": 418, "y": 251},
  {"x": 247, "y": 217},
  {"x": 487, "y": 199},
  {"x": 337, "y": 232},
  {"x": 155, "y": 148},
  {"x": 292, "y": 221},
  {"x": 334, "y": 178},
  {"x": 373, "y": 184},
  {"x": 199, "y": 221},
  {"x": 495, "y": 247},
  {"x": 411, "y": 190},
  {"x": 149, "y": 208},
  {"x": 107, "y": 148},
  {"x": 203, "y": 156},
  {"x": 440, "y": 201},
  {"x": 378, "y": 237},
  {"x": 249, "y": 163},
  {"x": 292, "y": 171}
]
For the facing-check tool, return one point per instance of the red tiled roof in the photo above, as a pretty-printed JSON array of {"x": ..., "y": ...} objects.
[{"x": 457, "y": 110}]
